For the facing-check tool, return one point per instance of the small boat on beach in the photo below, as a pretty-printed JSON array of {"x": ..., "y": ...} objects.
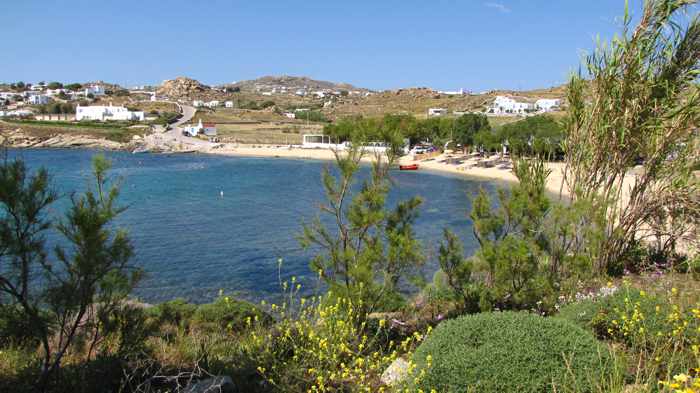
[{"x": 409, "y": 167}]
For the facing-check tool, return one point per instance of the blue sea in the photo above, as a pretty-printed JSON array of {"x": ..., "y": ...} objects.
[{"x": 193, "y": 242}]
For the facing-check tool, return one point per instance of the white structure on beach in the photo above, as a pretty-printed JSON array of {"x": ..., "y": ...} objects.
[
  {"x": 503, "y": 104},
  {"x": 547, "y": 104},
  {"x": 319, "y": 141},
  {"x": 433, "y": 112},
  {"x": 110, "y": 112}
]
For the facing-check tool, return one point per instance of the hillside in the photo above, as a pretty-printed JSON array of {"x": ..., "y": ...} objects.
[{"x": 291, "y": 83}]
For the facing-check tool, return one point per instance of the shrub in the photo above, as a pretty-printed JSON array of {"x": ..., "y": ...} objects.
[
  {"x": 508, "y": 351},
  {"x": 228, "y": 313},
  {"x": 177, "y": 312},
  {"x": 662, "y": 330}
]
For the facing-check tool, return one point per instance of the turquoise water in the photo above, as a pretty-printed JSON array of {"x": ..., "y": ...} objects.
[{"x": 192, "y": 242}]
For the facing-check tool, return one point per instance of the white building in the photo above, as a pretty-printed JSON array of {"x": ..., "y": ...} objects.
[
  {"x": 197, "y": 103},
  {"x": 208, "y": 129},
  {"x": 212, "y": 104},
  {"x": 432, "y": 112},
  {"x": 290, "y": 115},
  {"x": 110, "y": 112},
  {"x": 228, "y": 104},
  {"x": 38, "y": 99},
  {"x": 547, "y": 104},
  {"x": 319, "y": 141},
  {"x": 503, "y": 104},
  {"x": 54, "y": 92},
  {"x": 95, "y": 90}
]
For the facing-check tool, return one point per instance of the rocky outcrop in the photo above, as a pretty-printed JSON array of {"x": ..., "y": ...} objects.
[
  {"x": 19, "y": 139},
  {"x": 181, "y": 87}
]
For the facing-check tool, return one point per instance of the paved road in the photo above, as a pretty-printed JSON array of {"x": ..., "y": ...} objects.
[{"x": 173, "y": 134}]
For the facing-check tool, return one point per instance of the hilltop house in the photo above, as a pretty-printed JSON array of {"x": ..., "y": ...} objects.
[
  {"x": 547, "y": 104},
  {"x": 433, "y": 112},
  {"x": 503, "y": 104},
  {"x": 95, "y": 90},
  {"x": 102, "y": 113}
]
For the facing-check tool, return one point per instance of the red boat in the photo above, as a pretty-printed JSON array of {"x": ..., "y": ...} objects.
[{"x": 411, "y": 167}]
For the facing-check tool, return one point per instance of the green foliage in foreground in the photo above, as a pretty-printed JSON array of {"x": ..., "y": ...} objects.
[{"x": 512, "y": 352}]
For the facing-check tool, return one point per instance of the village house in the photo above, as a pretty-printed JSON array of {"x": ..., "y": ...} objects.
[
  {"x": 290, "y": 115},
  {"x": 208, "y": 129},
  {"x": 508, "y": 105},
  {"x": 38, "y": 99},
  {"x": 95, "y": 90},
  {"x": 197, "y": 103},
  {"x": 212, "y": 104},
  {"x": 547, "y": 104},
  {"x": 228, "y": 104},
  {"x": 102, "y": 113},
  {"x": 434, "y": 112}
]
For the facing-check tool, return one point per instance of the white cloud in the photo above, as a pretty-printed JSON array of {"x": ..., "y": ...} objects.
[{"x": 498, "y": 6}]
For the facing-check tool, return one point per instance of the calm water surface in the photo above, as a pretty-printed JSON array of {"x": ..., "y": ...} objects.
[{"x": 192, "y": 242}]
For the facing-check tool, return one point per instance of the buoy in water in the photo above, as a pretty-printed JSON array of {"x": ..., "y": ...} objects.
[{"x": 221, "y": 193}]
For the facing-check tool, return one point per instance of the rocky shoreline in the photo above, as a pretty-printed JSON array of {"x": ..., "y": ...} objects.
[{"x": 19, "y": 139}]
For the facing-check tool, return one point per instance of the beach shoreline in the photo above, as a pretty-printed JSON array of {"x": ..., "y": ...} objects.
[{"x": 492, "y": 168}]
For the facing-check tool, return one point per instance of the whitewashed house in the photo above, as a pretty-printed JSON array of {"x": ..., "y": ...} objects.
[
  {"x": 54, "y": 92},
  {"x": 503, "y": 105},
  {"x": 228, "y": 104},
  {"x": 38, "y": 99},
  {"x": 212, "y": 104},
  {"x": 193, "y": 130},
  {"x": 95, "y": 90},
  {"x": 102, "y": 113},
  {"x": 208, "y": 129},
  {"x": 547, "y": 104},
  {"x": 198, "y": 103},
  {"x": 290, "y": 115},
  {"x": 434, "y": 112}
]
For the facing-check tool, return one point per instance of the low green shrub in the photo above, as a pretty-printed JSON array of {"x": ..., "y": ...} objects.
[
  {"x": 228, "y": 313},
  {"x": 177, "y": 312},
  {"x": 603, "y": 315},
  {"x": 511, "y": 352}
]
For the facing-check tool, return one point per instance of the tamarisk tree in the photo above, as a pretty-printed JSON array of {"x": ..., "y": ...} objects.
[
  {"x": 65, "y": 299},
  {"x": 368, "y": 249},
  {"x": 632, "y": 131}
]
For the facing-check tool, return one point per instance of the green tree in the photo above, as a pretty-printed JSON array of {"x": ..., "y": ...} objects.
[
  {"x": 458, "y": 273},
  {"x": 55, "y": 85},
  {"x": 63, "y": 299},
  {"x": 369, "y": 249},
  {"x": 467, "y": 126}
]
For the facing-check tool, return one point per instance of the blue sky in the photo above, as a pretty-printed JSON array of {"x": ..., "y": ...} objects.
[{"x": 444, "y": 44}]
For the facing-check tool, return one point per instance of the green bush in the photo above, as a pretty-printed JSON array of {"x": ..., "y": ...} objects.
[
  {"x": 177, "y": 312},
  {"x": 511, "y": 352},
  {"x": 228, "y": 313},
  {"x": 603, "y": 316}
]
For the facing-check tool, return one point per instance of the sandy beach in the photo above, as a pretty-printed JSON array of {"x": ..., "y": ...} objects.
[{"x": 453, "y": 163}]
